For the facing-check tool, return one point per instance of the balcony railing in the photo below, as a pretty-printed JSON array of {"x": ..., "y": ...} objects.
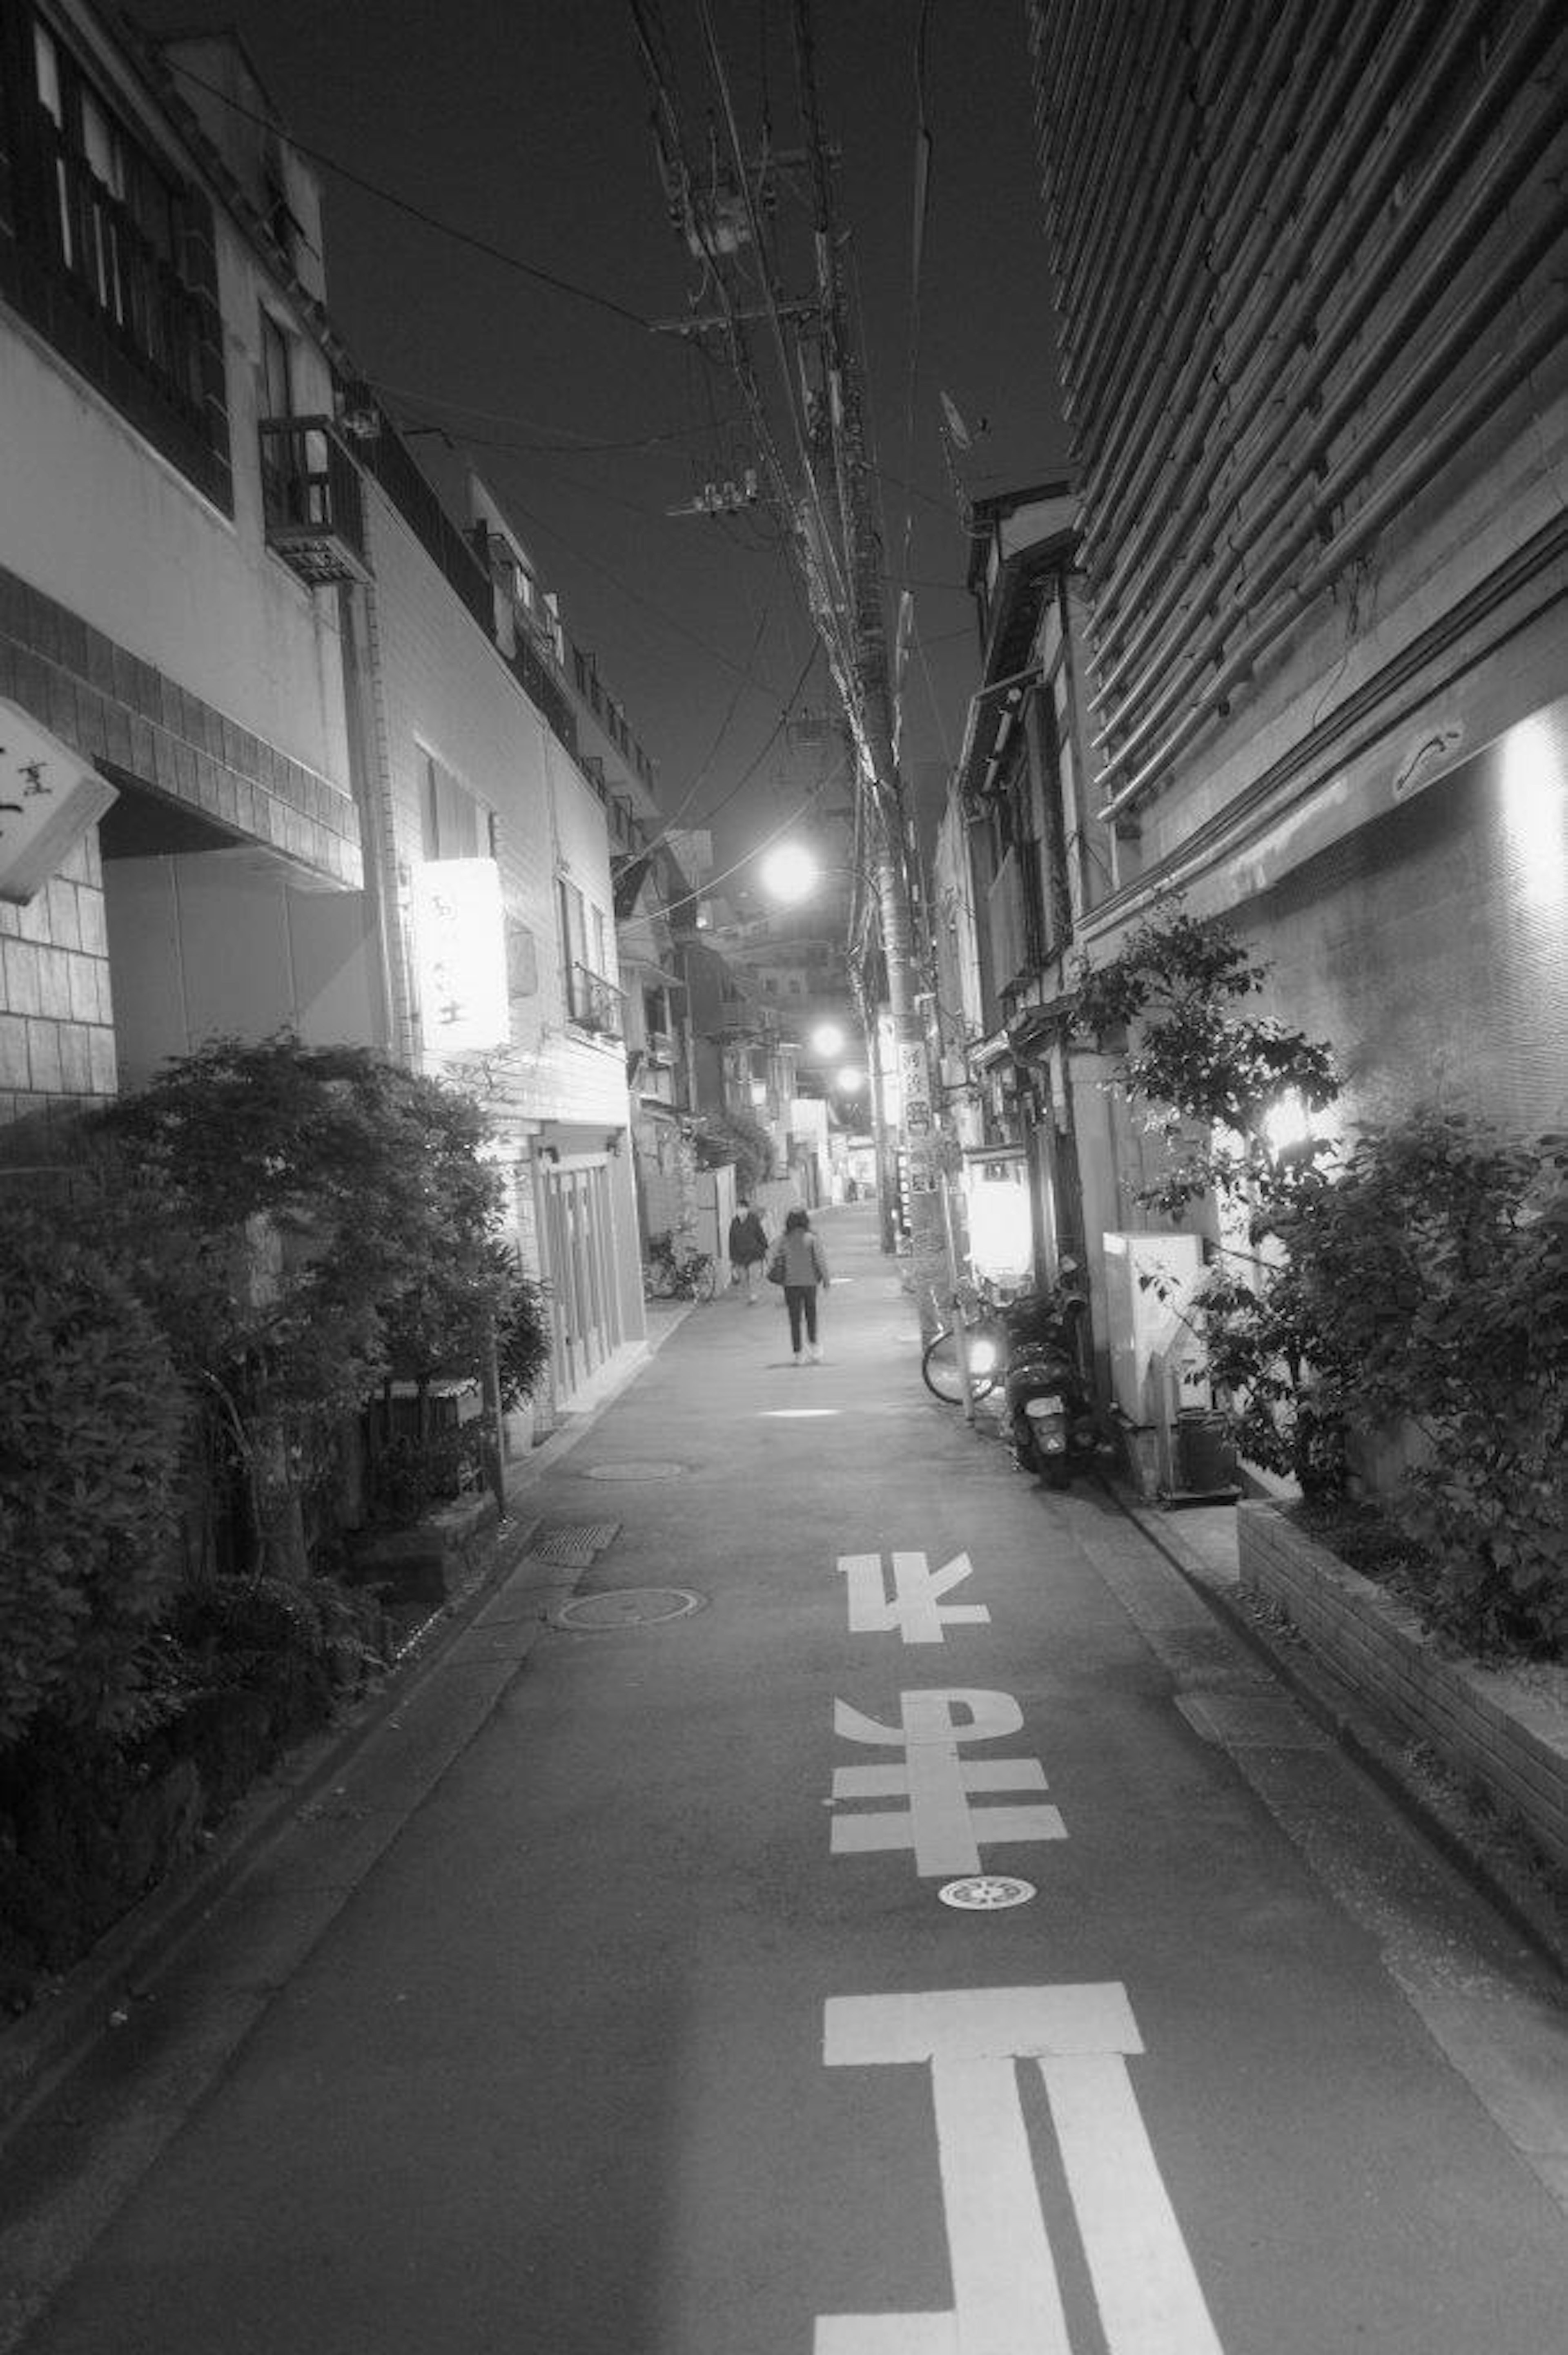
[
  {"x": 313, "y": 501},
  {"x": 595, "y": 1003}
]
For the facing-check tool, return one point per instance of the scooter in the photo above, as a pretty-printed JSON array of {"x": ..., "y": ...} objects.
[{"x": 1049, "y": 1409}]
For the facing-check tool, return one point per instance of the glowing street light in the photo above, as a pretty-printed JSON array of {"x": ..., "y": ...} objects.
[
  {"x": 850, "y": 1081},
  {"x": 790, "y": 871},
  {"x": 827, "y": 1039}
]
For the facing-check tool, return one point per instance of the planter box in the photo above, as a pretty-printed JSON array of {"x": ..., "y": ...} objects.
[
  {"x": 1507, "y": 1732},
  {"x": 430, "y": 1562}
]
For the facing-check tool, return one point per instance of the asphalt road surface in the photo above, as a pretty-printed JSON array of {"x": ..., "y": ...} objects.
[{"x": 634, "y": 2014}]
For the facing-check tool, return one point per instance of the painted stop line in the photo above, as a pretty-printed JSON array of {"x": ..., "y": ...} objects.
[
  {"x": 1006, "y": 2296},
  {"x": 937, "y": 1820},
  {"x": 915, "y": 1607}
]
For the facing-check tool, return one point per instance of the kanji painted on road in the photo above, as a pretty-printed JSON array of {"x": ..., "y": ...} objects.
[
  {"x": 937, "y": 1820},
  {"x": 1006, "y": 2295},
  {"x": 915, "y": 1608}
]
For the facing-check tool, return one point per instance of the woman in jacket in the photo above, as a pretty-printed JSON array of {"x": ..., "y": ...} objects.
[{"x": 800, "y": 1264}]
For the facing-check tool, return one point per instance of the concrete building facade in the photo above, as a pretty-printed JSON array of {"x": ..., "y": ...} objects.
[{"x": 294, "y": 750}]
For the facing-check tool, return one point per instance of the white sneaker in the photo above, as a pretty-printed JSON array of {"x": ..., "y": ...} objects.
[{"x": 814, "y": 1353}]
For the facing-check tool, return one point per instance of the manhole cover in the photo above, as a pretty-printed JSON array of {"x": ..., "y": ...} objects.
[
  {"x": 572, "y": 1544},
  {"x": 986, "y": 1893},
  {"x": 629, "y": 1606},
  {"x": 635, "y": 1471}
]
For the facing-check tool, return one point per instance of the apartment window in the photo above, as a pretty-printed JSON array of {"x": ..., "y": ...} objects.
[
  {"x": 601, "y": 944},
  {"x": 453, "y": 823},
  {"x": 107, "y": 252}
]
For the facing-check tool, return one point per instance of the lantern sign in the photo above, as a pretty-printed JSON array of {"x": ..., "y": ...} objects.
[
  {"x": 49, "y": 796},
  {"x": 462, "y": 938}
]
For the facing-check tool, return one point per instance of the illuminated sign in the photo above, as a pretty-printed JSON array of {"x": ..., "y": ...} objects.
[
  {"x": 49, "y": 797},
  {"x": 462, "y": 938}
]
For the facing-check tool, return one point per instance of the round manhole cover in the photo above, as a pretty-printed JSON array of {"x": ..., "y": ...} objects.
[
  {"x": 635, "y": 1471},
  {"x": 986, "y": 1893},
  {"x": 628, "y": 1606}
]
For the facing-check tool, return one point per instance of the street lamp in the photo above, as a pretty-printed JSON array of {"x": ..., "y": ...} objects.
[
  {"x": 789, "y": 872},
  {"x": 827, "y": 1040}
]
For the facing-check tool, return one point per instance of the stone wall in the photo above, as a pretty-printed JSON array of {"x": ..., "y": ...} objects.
[{"x": 1506, "y": 1732}]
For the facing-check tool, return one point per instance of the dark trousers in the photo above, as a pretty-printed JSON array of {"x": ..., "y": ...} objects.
[{"x": 800, "y": 1300}]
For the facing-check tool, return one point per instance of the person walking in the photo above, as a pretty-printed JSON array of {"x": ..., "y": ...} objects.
[
  {"x": 748, "y": 1247},
  {"x": 799, "y": 1264}
]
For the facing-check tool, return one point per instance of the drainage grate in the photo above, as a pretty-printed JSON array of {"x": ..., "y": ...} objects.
[
  {"x": 572, "y": 1544},
  {"x": 630, "y": 1606},
  {"x": 986, "y": 1893},
  {"x": 634, "y": 1472}
]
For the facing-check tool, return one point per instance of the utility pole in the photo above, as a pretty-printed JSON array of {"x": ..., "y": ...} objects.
[{"x": 831, "y": 522}]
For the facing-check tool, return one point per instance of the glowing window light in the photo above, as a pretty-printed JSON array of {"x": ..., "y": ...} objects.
[
  {"x": 1534, "y": 804},
  {"x": 462, "y": 938},
  {"x": 1001, "y": 1239}
]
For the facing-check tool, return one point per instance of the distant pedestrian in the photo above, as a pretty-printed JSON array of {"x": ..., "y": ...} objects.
[
  {"x": 799, "y": 1264},
  {"x": 748, "y": 1247}
]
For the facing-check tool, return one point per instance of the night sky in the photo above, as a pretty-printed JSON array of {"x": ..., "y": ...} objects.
[{"x": 526, "y": 125}]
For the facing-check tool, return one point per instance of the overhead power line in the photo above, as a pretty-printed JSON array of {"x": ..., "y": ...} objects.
[{"x": 530, "y": 269}]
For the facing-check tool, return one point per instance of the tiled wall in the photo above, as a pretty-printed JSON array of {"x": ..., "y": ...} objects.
[
  {"x": 56, "y": 1039},
  {"x": 56, "y": 1035}
]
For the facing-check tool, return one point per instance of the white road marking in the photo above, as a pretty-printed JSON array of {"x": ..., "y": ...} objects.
[
  {"x": 938, "y": 1823},
  {"x": 1007, "y": 2300},
  {"x": 1147, "y": 2291},
  {"x": 914, "y": 1609}
]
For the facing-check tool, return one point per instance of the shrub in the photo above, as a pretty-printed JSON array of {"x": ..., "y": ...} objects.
[
  {"x": 368, "y": 1211},
  {"x": 1426, "y": 1286},
  {"x": 92, "y": 1420}
]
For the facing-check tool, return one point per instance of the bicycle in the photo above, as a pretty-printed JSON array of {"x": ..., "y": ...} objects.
[
  {"x": 985, "y": 1344},
  {"x": 673, "y": 1275}
]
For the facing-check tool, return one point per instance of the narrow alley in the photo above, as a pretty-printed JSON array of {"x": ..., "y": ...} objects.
[{"x": 622, "y": 1995}]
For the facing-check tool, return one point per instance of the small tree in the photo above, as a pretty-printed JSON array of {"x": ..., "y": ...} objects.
[
  {"x": 358, "y": 1214},
  {"x": 734, "y": 1136},
  {"x": 1197, "y": 1060},
  {"x": 1211, "y": 1074}
]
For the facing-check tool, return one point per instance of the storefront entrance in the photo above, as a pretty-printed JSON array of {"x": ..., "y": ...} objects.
[{"x": 579, "y": 1268}]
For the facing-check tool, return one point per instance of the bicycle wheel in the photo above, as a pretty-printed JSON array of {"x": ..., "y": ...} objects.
[
  {"x": 704, "y": 1279},
  {"x": 661, "y": 1279},
  {"x": 939, "y": 1365}
]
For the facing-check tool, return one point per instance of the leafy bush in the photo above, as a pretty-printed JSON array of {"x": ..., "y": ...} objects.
[
  {"x": 355, "y": 1212},
  {"x": 1426, "y": 1286},
  {"x": 733, "y": 1136},
  {"x": 92, "y": 1420}
]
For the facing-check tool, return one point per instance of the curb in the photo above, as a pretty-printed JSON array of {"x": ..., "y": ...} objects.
[
  {"x": 1488, "y": 1860},
  {"x": 42, "y": 2045}
]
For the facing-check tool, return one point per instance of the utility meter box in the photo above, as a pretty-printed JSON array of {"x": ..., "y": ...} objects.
[{"x": 1146, "y": 1276}]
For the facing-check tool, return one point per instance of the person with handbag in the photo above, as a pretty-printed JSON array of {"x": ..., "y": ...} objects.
[{"x": 799, "y": 1264}]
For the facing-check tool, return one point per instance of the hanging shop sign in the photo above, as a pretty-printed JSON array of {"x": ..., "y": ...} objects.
[
  {"x": 461, "y": 936},
  {"x": 49, "y": 796}
]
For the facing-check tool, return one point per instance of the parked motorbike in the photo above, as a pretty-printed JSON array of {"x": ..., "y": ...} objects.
[{"x": 1049, "y": 1409}]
